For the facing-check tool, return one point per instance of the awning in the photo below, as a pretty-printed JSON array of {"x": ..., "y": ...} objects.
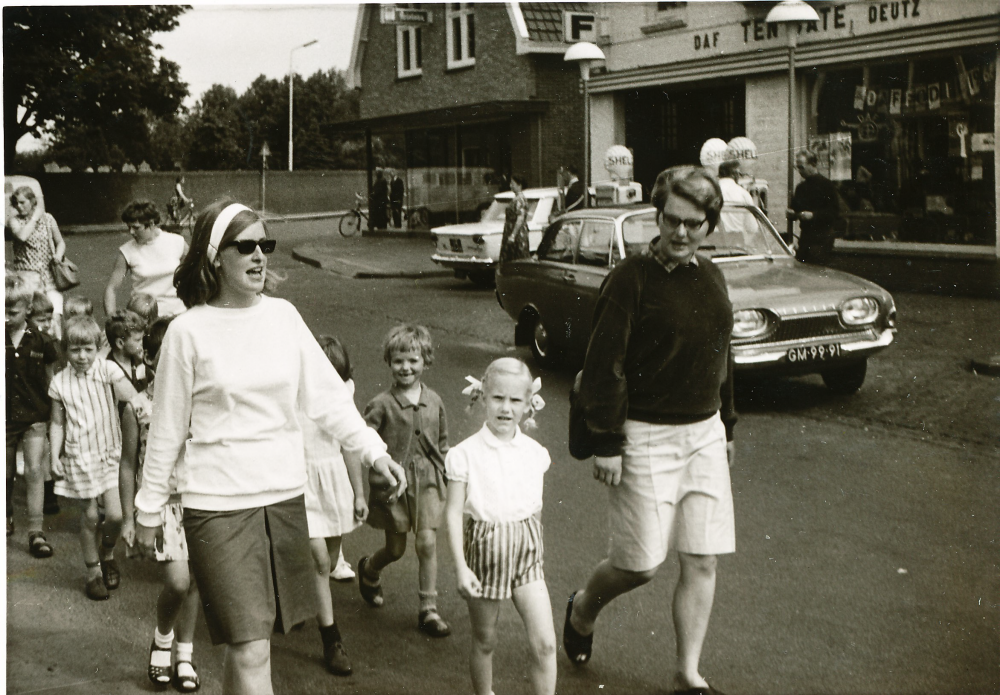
[{"x": 437, "y": 118}]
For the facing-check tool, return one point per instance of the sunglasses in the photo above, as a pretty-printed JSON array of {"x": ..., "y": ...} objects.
[
  {"x": 246, "y": 246},
  {"x": 691, "y": 225}
]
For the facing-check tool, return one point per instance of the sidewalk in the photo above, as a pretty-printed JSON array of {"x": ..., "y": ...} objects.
[{"x": 365, "y": 257}]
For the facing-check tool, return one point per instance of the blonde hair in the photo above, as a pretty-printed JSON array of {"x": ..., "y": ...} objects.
[
  {"x": 145, "y": 306},
  {"x": 510, "y": 366},
  {"x": 77, "y": 305},
  {"x": 81, "y": 330},
  {"x": 18, "y": 289}
]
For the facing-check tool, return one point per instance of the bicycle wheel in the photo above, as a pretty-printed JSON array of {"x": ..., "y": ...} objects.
[
  {"x": 350, "y": 223},
  {"x": 420, "y": 219}
]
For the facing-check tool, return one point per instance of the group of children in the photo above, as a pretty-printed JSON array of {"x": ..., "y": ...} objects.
[{"x": 487, "y": 489}]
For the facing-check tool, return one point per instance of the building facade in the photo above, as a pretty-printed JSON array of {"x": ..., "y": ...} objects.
[{"x": 898, "y": 99}]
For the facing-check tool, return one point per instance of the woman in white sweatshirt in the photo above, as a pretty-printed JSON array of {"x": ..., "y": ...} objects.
[{"x": 235, "y": 372}]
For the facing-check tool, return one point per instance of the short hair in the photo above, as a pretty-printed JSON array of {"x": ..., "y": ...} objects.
[
  {"x": 25, "y": 192},
  {"x": 408, "y": 336},
  {"x": 571, "y": 168},
  {"x": 17, "y": 289},
  {"x": 153, "y": 339},
  {"x": 77, "y": 305},
  {"x": 519, "y": 178},
  {"x": 41, "y": 304},
  {"x": 695, "y": 184},
  {"x": 811, "y": 157},
  {"x": 729, "y": 169},
  {"x": 196, "y": 278},
  {"x": 142, "y": 211},
  {"x": 81, "y": 330},
  {"x": 145, "y": 305},
  {"x": 506, "y": 365},
  {"x": 122, "y": 324},
  {"x": 337, "y": 354}
]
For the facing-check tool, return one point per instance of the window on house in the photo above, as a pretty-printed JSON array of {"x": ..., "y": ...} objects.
[
  {"x": 409, "y": 52},
  {"x": 460, "y": 30}
]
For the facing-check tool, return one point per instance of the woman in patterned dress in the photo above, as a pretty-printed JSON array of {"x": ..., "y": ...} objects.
[
  {"x": 514, "y": 243},
  {"x": 36, "y": 242}
]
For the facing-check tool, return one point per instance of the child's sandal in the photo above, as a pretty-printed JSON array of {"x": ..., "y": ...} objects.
[
  {"x": 185, "y": 677},
  {"x": 371, "y": 593},
  {"x": 431, "y": 623},
  {"x": 38, "y": 546},
  {"x": 159, "y": 671}
]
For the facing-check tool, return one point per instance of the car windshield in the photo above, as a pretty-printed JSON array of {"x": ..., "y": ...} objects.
[
  {"x": 498, "y": 208},
  {"x": 740, "y": 232}
]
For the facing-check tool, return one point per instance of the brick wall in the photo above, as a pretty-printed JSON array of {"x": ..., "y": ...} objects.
[{"x": 558, "y": 83}]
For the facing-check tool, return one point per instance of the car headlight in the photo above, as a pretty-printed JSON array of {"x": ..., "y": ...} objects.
[
  {"x": 749, "y": 323},
  {"x": 859, "y": 311}
]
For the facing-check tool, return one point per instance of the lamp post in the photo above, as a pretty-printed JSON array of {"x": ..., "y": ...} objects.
[
  {"x": 291, "y": 81},
  {"x": 585, "y": 54},
  {"x": 790, "y": 13}
]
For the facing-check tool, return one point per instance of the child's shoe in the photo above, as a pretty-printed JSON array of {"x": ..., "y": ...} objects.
[
  {"x": 186, "y": 677},
  {"x": 38, "y": 546},
  {"x": 158, "y": 671},
  {"x": 370, "y": 592},
  {"x": 96, "y": 591},
  {"x": 334, "y": 654},
  {"x": 110, "y": 574},
  {"x": 342, "y": 572},
  {"x": 431, "y": 623}
]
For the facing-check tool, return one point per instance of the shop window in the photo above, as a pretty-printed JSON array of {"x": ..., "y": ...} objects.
[
  {"x": 460, "y": 34},
  {"x": 409, "y": 51}
]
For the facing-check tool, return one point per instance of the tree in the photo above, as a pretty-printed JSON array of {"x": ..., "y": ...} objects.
[
  {"x": 88, "y": 77},
  {"x": 217, "y": 131}
]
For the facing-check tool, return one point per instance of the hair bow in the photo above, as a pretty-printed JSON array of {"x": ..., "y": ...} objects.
[
  {"x": 535, "y": 404},
  {"x": 474, "y": 390}
]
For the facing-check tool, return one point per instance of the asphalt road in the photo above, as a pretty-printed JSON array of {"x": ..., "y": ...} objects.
[{"x": 867, "y": 551}]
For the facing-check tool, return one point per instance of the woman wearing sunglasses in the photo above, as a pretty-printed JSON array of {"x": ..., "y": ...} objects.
[
  {"x": 235, "y": 371},
  {"x": 655, "y": 381}
]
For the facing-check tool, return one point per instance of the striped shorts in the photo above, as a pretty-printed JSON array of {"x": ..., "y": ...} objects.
[{"x": 504, "y": 556}]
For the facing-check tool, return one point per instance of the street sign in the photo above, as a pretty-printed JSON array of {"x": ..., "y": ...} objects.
[
  {"x": 580, "y": 26},
  {"x": 391, "y": 14}
]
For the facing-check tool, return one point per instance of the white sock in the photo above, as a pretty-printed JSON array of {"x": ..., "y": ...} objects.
[
  {"x": 184, "y": 651},
  {"x": 163, "y": 641}
]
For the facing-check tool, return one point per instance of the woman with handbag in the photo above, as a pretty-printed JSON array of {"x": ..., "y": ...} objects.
[{"x": 39, "y": 249}]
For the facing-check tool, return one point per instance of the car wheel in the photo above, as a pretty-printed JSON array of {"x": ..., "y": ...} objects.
[
  {"x": 541, "y": 343},
  {"x": 483, "y": 278},
  {"x": 847, "y": 379}
]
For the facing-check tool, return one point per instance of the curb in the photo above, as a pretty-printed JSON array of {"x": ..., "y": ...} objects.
[
  {"x": 359, "y": 272},
  {"x": 987, "y": 367},
  {"x": 118, "y": 227}
]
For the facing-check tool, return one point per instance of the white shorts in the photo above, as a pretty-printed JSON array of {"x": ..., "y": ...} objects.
[{"x": 674, "y": 491}]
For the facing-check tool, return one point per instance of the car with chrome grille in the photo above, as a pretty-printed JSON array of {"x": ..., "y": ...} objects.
[
  {"x": 472, "y": 249},
  {"x": 789, "y": 317}
]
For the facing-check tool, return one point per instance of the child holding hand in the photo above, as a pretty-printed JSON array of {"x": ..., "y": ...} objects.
[
  {"x": 494, "y": 523},
  {"x": 411, "y": 420}
]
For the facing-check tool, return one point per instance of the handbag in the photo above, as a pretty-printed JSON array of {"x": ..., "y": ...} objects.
[
  {"x": 65, "y": 273},
  {"x": 581, "y": 441}
]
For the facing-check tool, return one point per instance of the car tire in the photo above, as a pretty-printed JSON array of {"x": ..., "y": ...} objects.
[
  {"x": 847, "y": 379},
  {"x": 540, "y": 341},
  {"x": 483, "y": 278}
]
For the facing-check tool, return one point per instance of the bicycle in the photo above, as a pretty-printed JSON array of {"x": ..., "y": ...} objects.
[
  {"x": 417, "y": 218},
  {"x": 350, "y": 223},
  {"x": 182, "y": 221}
]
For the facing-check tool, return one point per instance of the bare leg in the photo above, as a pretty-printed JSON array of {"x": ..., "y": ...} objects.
[
  {"x": 247, "y": 669},
  {"x": 395, "y": 546},
  {"x": 323, "y": 549},
  {"x": 89, "y": 540},
  {"x": 112, "y": 527},
  {"x": 187, "y": 616},
  {"x": 532, "y": 602},
  {"x": 176, "y": 583},
  {"x": 427, "y": 555},
  {"x": 693, "y": 599},
  {"x": 33, "y": 445},
  {"x": 483, "y": 614},
  {"x": 605, "y": 584}
]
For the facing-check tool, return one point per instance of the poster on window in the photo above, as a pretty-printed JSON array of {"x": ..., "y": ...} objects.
[
  {"x": 840, "y": 156},
  {"x": 820, "y": 146}
]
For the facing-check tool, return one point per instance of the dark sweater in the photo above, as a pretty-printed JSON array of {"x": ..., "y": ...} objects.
[
  {"x": 818, "y": 195},
  {"x": 659, "y": 350}
]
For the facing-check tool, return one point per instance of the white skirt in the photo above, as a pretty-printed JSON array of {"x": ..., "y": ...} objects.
[{"x": 329, "y": 496}]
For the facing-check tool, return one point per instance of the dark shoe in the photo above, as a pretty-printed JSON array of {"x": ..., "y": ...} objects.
[
  {"x": 431, "y": 623},
  {"x": 188, "y": 683},
  {"x": 578, "y": 647},
  {"x": 335, "y": 658},
  {"x": 38, "y": 546},
  {"x": 159, "y": 676},
  {"x": 698, "y": 691},
  {"x": 96, "y": 591},
  {"x": 371, "y": 593},
  {"x": 112, "y": 577}
]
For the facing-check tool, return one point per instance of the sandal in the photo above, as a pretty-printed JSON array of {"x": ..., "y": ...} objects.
[
  {"x": 96, "y": 591},
  {"x": 109, "y": 571},
  {"x": 38, "y": 546},
  {"x": 431, "y": 623},
  {"x": 159, "y": 671},
  {"x": 578, "y": 647},
  {"x": 370, "y": 592},
  {"x": 187, "y": 682}
]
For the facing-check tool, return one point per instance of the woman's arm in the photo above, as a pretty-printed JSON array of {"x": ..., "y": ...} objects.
[
  {"x": 353, "y": 463},
  {"x": 127, "y": 473},
  {"x": 57, "y": 237},
  {"x": 23, "y": 229},
  {"x": 118, "y": 273},
  {"x": 468, "y": 583}
]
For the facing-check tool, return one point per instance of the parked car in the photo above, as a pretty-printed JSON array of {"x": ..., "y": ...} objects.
[
  {"x": 790, "y": 317},
  {"x": 472, "y": 249}
]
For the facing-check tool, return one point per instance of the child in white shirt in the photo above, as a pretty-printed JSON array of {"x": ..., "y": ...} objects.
[{"x": 495, "y": 483}]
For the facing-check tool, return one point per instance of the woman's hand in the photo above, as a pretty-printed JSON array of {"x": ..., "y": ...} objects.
[
  {"x": 393, "y": 472},
  {"x": 128, "y": 532},
  {"x": 608, "y": 469},
  {"x": 468, "y": 584},
  {"x": 149, "y": 539},
  {"x": 360, "y": 509},
  {"x": 731, "y": 453}
]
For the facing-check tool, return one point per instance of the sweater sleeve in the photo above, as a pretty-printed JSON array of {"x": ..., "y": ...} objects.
[
  {"x": 604, "y": 389},
  {"x": 169, "y": 426},
  {"x": 325, "y": 399},
  {"x": 728, "y": 410}
]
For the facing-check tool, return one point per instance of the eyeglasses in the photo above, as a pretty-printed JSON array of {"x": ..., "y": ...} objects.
[
  {"x": 246, "y": 246},
  {"x": 690, "y": 225}
]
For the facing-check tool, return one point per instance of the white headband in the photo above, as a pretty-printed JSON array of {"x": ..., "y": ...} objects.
[{"x": 220, "y": 226}]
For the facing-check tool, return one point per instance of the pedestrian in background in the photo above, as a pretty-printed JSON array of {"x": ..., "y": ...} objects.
[
  {"x": 380, "y": 201},
  {"x": 656, "y": 376},
  {"x": 236, "y": 372},
  {"x": 514, "y": 242},
  {"x": 396, "y": 194},
  {"x": 494, "y": 524},
  {"x": 411, "y": 419},
  {"x": 36, "y": 243},
  {"x": 574, "y": 188},
  {"x": 816, "y": 205}
]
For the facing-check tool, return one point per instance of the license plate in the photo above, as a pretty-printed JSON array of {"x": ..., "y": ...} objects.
[
  {"x": 456, "y": 245},
  {"x": 814, "y": 353}
]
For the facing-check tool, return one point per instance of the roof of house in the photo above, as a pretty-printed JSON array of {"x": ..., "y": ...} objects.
[{"x": 544, "y": 20}]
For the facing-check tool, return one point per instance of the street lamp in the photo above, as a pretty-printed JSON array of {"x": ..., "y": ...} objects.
[
  {"x": 585, "y": 54},
  {"x": 790, "y": 13},
  {"x": 291, "y": 81}
]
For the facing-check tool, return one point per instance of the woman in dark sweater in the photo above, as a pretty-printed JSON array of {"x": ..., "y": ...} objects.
[{"x": 657, "y": 397}]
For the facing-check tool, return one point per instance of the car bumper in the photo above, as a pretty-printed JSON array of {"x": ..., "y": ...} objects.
[
  {"x": 464, "y": 262},
  {"x": 775, "y": 356}
]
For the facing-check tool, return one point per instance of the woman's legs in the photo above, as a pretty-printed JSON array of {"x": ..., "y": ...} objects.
[
  {"x": 605, "y": 584},
  {"x": 483, "y": 614},
  {"x": 247, "y": 669},
  {"x": 693, "y": 600},
  {"x": 532, "y": 602}
]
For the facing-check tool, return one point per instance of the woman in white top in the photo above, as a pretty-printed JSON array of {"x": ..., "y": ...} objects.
[
  {"x": 151, "y": 256},
  {"x": 236, "y": 372}
]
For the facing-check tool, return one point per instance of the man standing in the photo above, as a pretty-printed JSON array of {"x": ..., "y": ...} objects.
[
  {"x": 396, "y": 192},
  {"x": 816, "y": 205},
  {"x": 574, "y": 188}
]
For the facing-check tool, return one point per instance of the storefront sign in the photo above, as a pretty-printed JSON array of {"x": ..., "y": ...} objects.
[
  {"x": 579, "y": 26},
  {"x": 983, "y": 142},
  {"x": 405, "y": 16}
]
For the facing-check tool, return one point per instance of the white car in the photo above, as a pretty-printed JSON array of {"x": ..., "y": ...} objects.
[{"x": 472, "y": 249}]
